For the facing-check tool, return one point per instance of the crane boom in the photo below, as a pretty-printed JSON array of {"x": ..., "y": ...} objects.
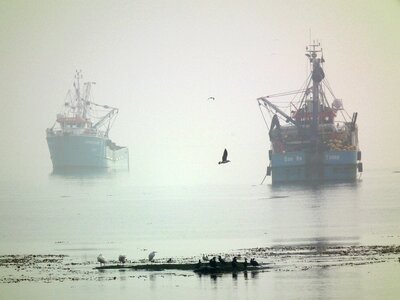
[
  {"x": 109, "y": 115},
  {"x": 266, "y": 102}
]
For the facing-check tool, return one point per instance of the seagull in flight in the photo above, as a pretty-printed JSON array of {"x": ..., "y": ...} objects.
[
  {"x": 224, "y": 158},
  {"x": 211, "y": 98}
]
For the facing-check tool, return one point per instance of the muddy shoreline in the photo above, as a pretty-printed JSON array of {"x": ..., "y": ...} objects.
[{"x": 59, "y": 268}]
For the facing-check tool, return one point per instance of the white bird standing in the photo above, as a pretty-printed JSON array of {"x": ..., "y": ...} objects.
[
  {"x": 122, "y": 259},
  {"x": 224, "y": 158},
  {"x": 151, "y": 255},
  {"x": 101, "y": 260},
  {"x": 205, "y": 257}
]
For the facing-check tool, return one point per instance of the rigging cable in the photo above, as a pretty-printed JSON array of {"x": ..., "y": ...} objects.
[
  {"x": 266, "y": 174},
  {"x": 327, "y": 84},
  {"x": 265, "y": 121},
  {"x": 284, "y": 94},
  {"x": 305, "y": 84}
]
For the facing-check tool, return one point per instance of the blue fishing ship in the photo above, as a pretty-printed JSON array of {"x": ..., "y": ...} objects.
[
  {"x": 313, "y": 138},
  {"x": 79, "y": 137}
]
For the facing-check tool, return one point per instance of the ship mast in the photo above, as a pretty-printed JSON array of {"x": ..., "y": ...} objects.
[
  {"x": 80, "y": 108},
  {"x": 317, "y": 76}
]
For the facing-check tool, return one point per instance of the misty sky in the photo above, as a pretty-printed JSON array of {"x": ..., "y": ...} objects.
[{"x": 159, "y": 61}]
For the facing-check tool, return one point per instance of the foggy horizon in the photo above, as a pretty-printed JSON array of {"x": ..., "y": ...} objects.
[{"x": 159, "y": 62}]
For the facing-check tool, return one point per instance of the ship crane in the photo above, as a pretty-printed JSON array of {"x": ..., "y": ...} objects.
[
  {"x": 265, "y": 102},
  {"x": 107, "y": 117}
]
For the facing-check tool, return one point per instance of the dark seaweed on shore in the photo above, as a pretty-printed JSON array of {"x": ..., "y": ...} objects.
[{"x": 58, "y": 268}]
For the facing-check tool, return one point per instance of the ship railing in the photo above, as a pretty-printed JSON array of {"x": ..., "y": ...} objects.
[{"x": 74, "y": 131}]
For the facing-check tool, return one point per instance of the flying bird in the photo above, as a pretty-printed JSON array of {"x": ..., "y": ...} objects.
[
  {"x": 101, "y": 260},
  {"x": 210, "y": 98},
  {"x": 151, "y": 255},
  {"x": 122, "y": 259},
  {"x": 224, "y": 158}
]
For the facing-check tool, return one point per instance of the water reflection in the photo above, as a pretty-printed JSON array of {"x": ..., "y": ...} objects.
[
  {"x": 88, "y": 176},
  {"x": 83, "y": 172},
  {"x": 315, "y": 185},
  {"x": 122, "y": 276},
  {"x": 315, "y": 214},
  {"x": 234, "y": 275}
]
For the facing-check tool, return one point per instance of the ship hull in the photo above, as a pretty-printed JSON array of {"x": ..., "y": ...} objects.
[
  {"x": 83, "y": 151},
  {"x": 301, "y": 166}
]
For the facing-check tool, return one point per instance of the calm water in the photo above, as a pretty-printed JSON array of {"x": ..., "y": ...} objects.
[{"x": 84, "y": 215}]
